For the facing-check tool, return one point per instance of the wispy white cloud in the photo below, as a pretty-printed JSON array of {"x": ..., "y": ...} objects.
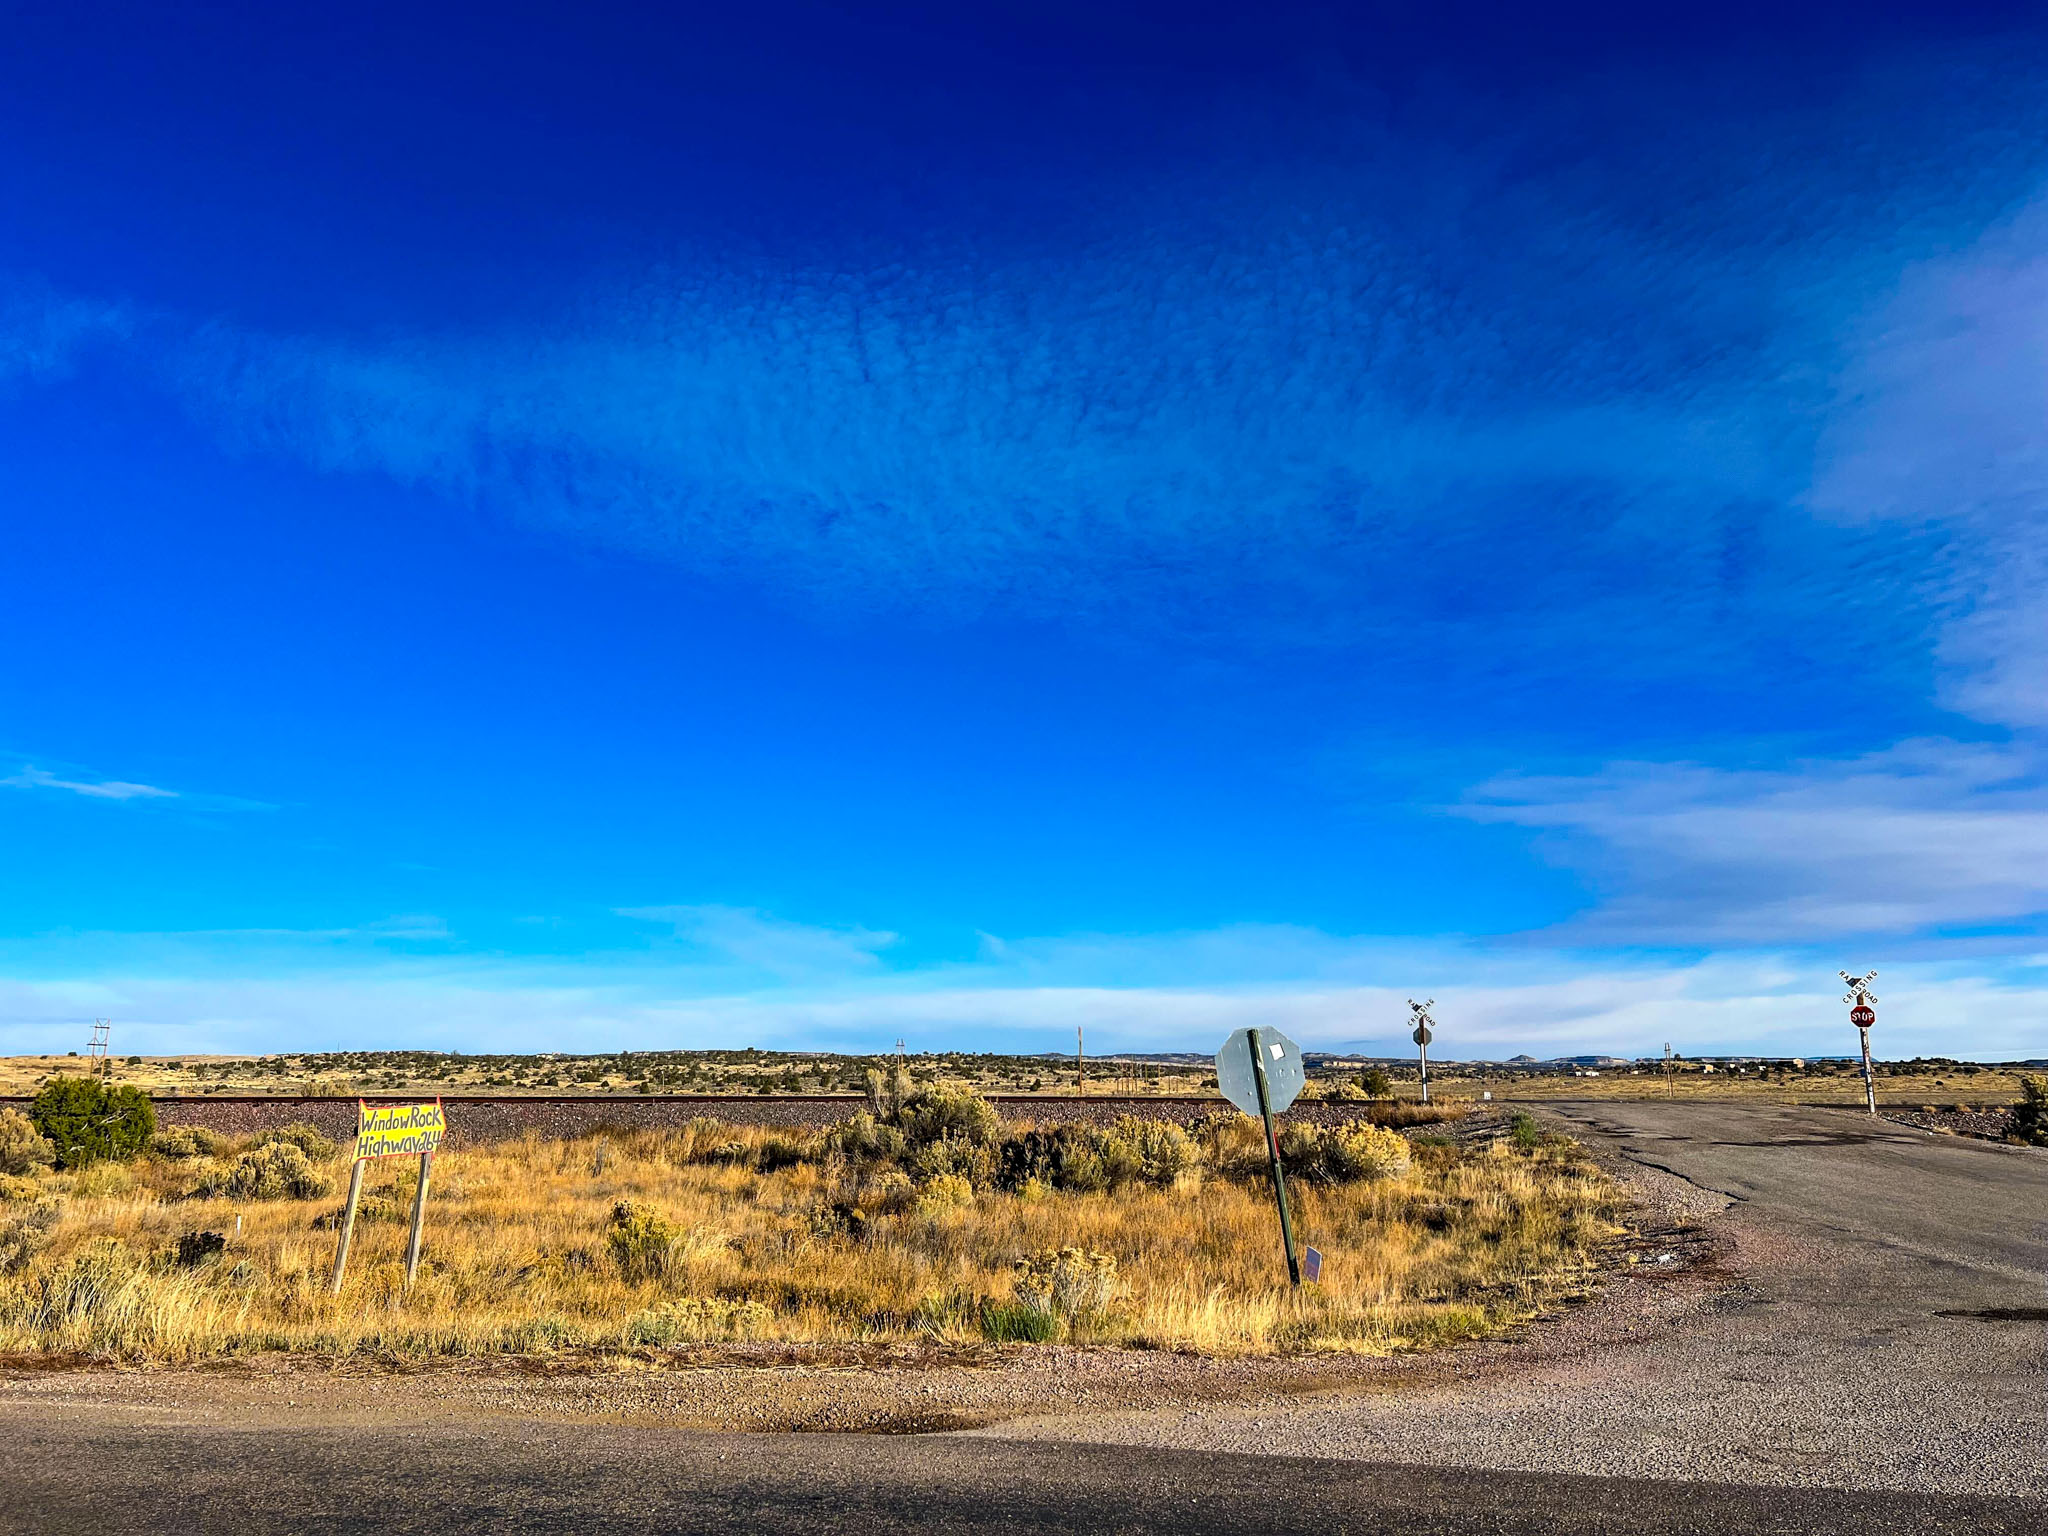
[
  {"x": 1941, "y": 420},
  {"x": 30, "y": 777},
  {"x": 768, "y": 944},
  {"x": 43, "y": 333},
  {"x": 1926, "y": 835},
  {"x": 1490, "y": 1005}
]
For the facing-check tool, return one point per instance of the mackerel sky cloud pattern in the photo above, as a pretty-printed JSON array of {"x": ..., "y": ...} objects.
[{"x": 845, "y": 509}]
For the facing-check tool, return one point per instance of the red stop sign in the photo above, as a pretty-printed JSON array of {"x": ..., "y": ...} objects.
[{"x": 1863, "y": 1016}]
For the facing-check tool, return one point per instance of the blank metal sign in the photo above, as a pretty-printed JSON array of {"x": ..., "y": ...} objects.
[{"x": 1284, "y": 1071}]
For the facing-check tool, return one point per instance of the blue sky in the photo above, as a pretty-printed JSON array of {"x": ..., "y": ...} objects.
[{"x": 528, "y": 529}]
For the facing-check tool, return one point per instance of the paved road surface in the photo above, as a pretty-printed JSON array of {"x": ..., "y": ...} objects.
[
  {"x": 1882, "y": 1290},
  {"x": 113, "y": 1480},
  {"x": 1882, "y": 1323}
]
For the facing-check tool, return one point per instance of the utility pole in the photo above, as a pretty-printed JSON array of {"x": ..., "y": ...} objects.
[
  {"x": 97, "y": 1064},
  {"x": 1422, "y": 1036},
  {"x": 1667, "y": 1069},
  {"x": 1862, "y": 1014},
  {"x": 1080, "y": 1088}
]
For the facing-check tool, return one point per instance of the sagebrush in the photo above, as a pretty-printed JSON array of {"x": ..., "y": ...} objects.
[{"x": 927, "y": 1222}]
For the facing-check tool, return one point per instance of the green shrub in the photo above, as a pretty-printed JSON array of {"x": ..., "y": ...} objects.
[
  {"x": 863, "y": 1140},
  {"x": 946, "y": 1113},
  {"x": 87, "y": 1119},
  {"x": 24, "y": 1233},
  {"x": 307, "y": 1138},
  {"x": 1156, "y": 1151},
  {"x": 1083, "y": 1159},
  {"x": 1527, "y": 1134},
  {"x": 644, "y": 1243},
  {"x": 951, "y": 1157},
  {"x": 274, "y": 1170},
  {"x": 1342, "y": 1154},
  {"x": 1376, "y": 1084},
  {"x": 181, "y": 1142},
  {"x": 23, "y": 1148},
  {"x": 1364, "y": 1151},
  {"x": 1059, "y": 1157},
  {"x": 2030, "y": 1115}
]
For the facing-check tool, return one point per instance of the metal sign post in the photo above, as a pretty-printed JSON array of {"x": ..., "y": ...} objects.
[
  {"x": 1862, "y": 1015},
  {"x": 1260, "y": 1071},
  {"x": 1422, "y": 1036}
]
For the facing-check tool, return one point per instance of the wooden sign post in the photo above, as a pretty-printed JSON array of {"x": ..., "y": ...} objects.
[{"x": 391, "y": 1130}]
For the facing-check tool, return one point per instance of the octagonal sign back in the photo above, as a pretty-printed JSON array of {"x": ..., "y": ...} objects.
[{"x": 1285, "y": 1072}]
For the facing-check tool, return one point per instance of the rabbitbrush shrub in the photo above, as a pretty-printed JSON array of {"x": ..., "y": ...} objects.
[
  {"x": 643, "y": 1242},
  {"x": 275, "y": 1170},
  {"x": 24, "y": 1233},
  {"x": 951, "y": 1114},
  {"x": 182, "y": 1142},
  {"x": 23, "y": 1148},
  {"x": 1067, "y": 1285},
  {"x": 307, "y": 1138}
]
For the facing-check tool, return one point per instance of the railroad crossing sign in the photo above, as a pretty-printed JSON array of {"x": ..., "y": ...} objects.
[
  {"x": 1862, "y": 1015},
  {"x": 1422, "y": 1036},
  {"x": 1284, "y": 1072}
]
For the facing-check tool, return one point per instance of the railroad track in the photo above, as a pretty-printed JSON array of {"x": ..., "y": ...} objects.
[{"x": 851, "y": 1099}]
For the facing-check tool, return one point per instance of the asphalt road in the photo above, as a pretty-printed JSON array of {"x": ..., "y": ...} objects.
[
  {"x": 1874, "y": 1316},
  {"x": 1863, "y": 1352},
  {"x": 110, "y": 1480}
]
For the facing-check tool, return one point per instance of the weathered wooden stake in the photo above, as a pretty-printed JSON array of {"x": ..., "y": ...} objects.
[
  {"x": 419, "y": 1217},
  {"x": 1273, "y": 1154},
  {"x": 348, "y": 1225}
]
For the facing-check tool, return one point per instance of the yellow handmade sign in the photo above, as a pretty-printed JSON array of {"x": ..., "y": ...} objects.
[{"x": 399, "y": 1130}]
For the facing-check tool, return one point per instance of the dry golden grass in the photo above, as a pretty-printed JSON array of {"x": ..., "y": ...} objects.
[
  {"x": 1468, "y": 1240},
  {"x": 1837, "y": 1084},
  {"x": 1830, "y": 1082}
]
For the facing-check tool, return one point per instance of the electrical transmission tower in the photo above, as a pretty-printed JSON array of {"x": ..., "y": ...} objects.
[{"x": 96, "y": 1056}]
